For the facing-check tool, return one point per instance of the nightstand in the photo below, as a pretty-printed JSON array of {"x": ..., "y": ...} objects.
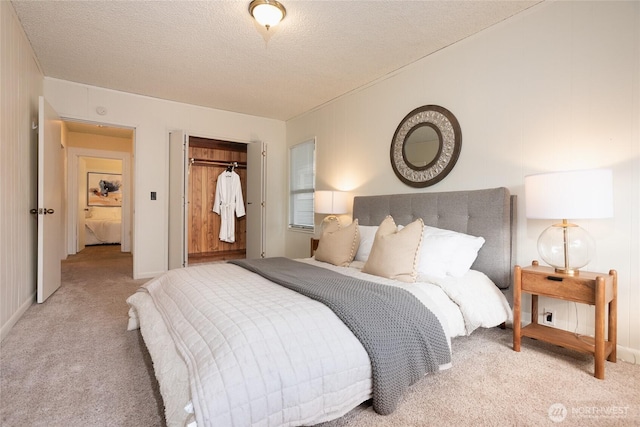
[
  {"x": 314, "y": 245},
  {"x": 586, "y": 287}
]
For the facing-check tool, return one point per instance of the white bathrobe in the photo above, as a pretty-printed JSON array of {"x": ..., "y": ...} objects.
[{"x": 228, "y": 199}]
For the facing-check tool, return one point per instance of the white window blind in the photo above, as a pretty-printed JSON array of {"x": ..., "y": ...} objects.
[{"x": 302, "y": 173}]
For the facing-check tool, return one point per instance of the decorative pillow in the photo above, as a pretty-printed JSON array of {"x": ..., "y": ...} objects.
[
  {"x": 394, "y": 253},
  {"x": 337, "y": 245},
  {"x": 446, "y": 252},
  {"x": 367, "y": 235}
]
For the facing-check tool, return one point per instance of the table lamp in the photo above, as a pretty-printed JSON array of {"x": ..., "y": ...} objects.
[
  {"x": 583, "y": 194},
  {"x": 331, "y": 203}
]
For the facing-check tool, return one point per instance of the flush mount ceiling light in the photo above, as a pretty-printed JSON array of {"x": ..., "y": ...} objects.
[{"x": 268, "y": 13}]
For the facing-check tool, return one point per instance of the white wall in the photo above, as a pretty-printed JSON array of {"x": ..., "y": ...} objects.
[
  {"x": 94, "y": 141},
  {"x": 554, "y": 88},
  {"x": 153, "y": 119},
  {"x": 21, "y": 82}
]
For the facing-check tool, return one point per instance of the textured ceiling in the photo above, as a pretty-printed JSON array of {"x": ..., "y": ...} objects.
[{"x": 213, "y": 54}]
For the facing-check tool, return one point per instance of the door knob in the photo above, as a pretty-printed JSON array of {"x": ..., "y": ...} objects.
[{"x": 41, "y": 211}]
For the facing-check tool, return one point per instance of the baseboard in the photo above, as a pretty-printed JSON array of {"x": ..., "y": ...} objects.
[
  {"x": 6, "y": 328},
  {"x": 147, "y": 274},
  {"x": 627, "y": 354}
]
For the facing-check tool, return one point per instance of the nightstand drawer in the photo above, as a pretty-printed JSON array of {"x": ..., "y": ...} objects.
[{"x": 568, "y": 288}]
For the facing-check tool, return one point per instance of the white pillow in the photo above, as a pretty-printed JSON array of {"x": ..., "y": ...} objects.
[
  {"x": 367, "y": 235},
  {"x": 446, "y": 252}
]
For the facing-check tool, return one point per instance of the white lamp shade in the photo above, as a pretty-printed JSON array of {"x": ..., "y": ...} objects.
[
  {"x": 331, "y": 202},
  {"x": 580, "y": 194}
]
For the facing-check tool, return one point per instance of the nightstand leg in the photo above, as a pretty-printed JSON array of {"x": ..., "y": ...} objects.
[
  {"x": 517, "y": 301},
  {"x": 612, "y": 336},
  {"x": 599, "y": 339}
]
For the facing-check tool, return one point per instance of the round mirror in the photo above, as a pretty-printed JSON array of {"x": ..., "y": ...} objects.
[
  {"x": 426, "y": 146},
  {"x": 421, "y": 146}
]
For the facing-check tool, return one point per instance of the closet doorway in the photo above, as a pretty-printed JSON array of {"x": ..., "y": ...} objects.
[
  {"x": 210, "y": 159},
  {"x": 195, "y": 163}
]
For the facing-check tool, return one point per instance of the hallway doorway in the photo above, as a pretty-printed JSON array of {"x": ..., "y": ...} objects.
[{"x": 95, "y": 218}]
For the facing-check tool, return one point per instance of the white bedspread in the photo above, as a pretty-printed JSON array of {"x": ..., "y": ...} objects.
[
  {"x": 105, "y": 230},
  {"x": 264, "y": 355}
]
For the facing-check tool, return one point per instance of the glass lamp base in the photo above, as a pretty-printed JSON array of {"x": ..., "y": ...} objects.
[
  {"x": 326, "y": 222},
  {"x": 567, "y": 247}
]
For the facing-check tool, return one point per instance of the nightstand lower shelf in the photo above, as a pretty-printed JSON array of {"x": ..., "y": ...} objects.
[{"x": 564, "y": 339}]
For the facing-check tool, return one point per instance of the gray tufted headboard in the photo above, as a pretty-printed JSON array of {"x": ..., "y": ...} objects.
[{"x": 488, "y": 213}]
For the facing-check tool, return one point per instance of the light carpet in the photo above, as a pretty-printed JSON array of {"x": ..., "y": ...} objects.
[{"x": 71, "y": 362}]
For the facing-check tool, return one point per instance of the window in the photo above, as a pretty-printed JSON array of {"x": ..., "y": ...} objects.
[{"x": 302, "y": 177}]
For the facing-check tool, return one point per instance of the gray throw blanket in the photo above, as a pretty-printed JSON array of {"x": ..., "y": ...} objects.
[{"x": 403, "y": 338}]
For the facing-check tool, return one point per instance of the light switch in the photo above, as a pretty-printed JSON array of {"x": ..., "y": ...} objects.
[{"x": 153, "y": 195}]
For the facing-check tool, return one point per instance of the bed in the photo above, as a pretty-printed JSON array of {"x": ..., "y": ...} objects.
[
  {"x": 103, "y": 226},
  {"x": 284, "y": 358}
]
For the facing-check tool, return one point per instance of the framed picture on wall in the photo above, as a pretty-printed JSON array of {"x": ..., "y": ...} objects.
[{"x": 104, "y": 189}]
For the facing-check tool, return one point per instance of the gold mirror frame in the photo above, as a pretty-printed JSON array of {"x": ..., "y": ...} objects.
[{"x": 450, "y": 135}]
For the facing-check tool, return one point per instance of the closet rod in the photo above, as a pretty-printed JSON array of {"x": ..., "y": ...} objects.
[{"x": 218, "y": 163}]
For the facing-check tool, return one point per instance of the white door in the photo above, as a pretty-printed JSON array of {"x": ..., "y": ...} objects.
[
  {"x": 178, "y": 191},
  {"x": 50, "y": 186},
  {"x": 82, "y": 208},
  {"x": 256, "y": 185}
]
